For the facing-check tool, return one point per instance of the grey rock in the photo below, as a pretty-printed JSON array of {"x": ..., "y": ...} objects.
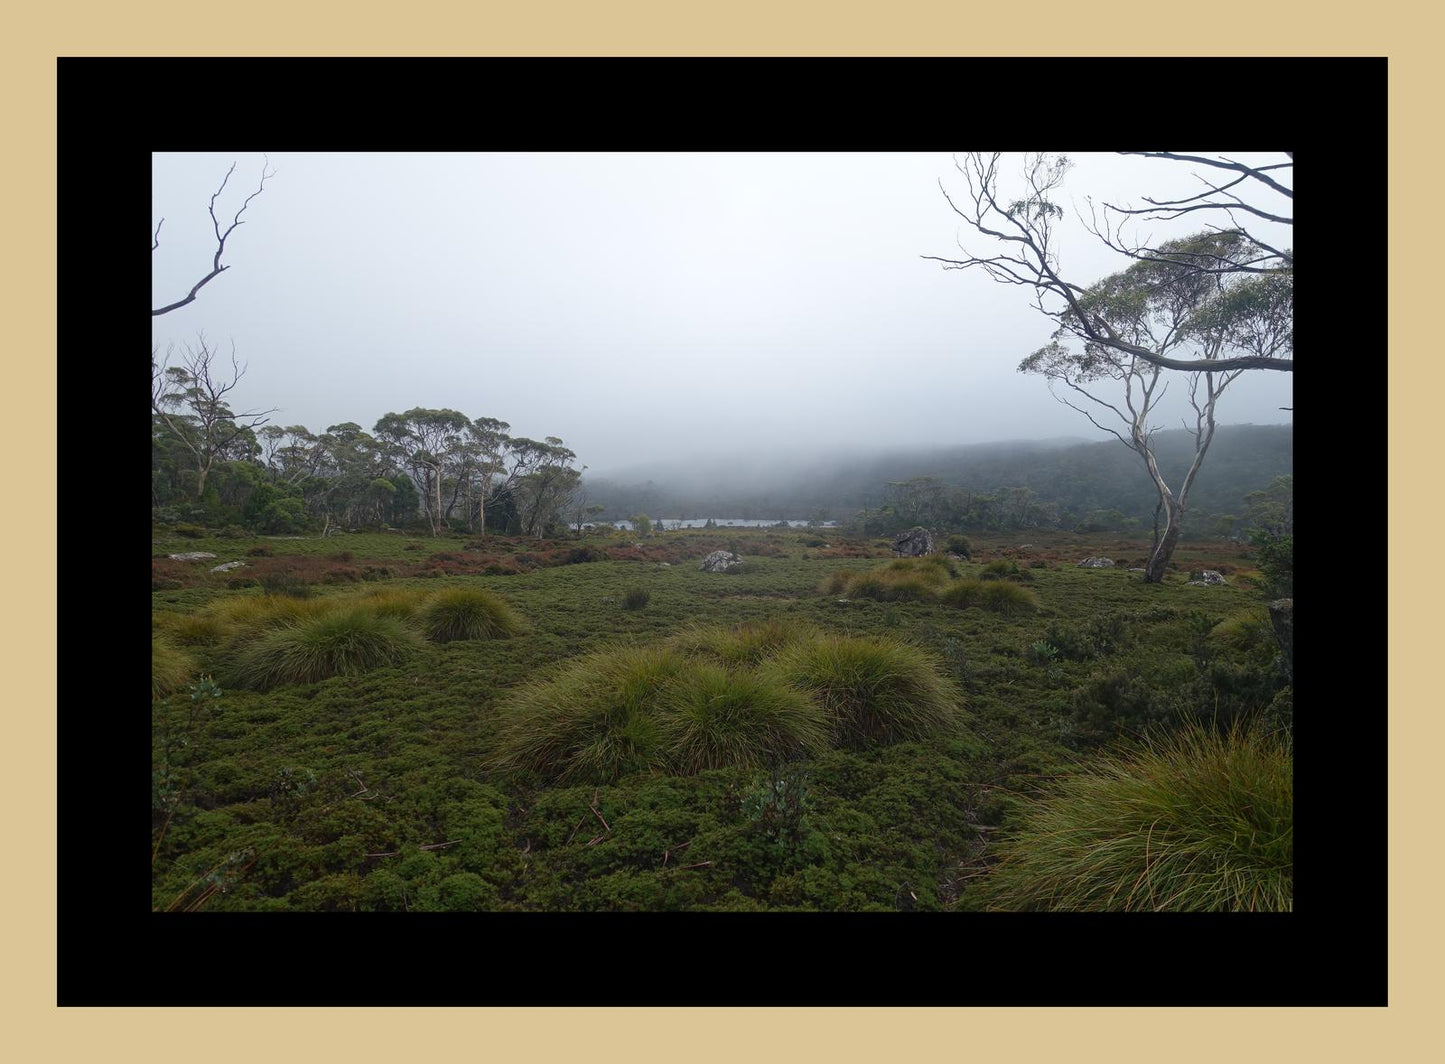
[
  {"x": 720, "y": 561},
  {"x": 228, "y": 566},
  {"x": 192, "y": 556},
  {"x": 914, "y": 543},
  {"x": 1208, "y": 578},
  {"x": 1097, "y": 563}
]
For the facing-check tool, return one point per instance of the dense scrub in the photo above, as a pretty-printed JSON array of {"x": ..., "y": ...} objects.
[{"x": 696, "y": 770}]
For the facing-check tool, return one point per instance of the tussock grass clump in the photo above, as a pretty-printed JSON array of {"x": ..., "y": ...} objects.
[
  {"x": 171, "y": 668},
  {"x": 198, "y": 629},
  {"x": 1000, "y": 596},
  {"x": 336, "y": 643},
  {"x": 875, "y": 690},
  {"x": 391, "y": 602},
  {"x": 963, "y": 594},
  {"x": 252, "y": 614},
  {"x": 745, "y": 645},
  {"x": 932, "y": 566},
  {"x": 1196, "y": 821},
  {"x": 714, "y": 717},
  {"x": 636, "y": 598},
  {"x": 1245, "y": 631},
  {"x": 901, "y": 580},
  {"x": 469, "y": 613},
  {"x": 1008, "y": 599},
  {"x": 594, "y": 721}
]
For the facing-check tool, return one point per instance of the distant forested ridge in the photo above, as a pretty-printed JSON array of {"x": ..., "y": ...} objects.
[{"x": 1082, "y": 486}]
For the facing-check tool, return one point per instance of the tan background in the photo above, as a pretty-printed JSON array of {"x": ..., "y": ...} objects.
[{"x": 38, "y": 1031}]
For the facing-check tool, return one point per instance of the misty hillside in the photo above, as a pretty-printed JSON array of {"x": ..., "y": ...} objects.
[{"x": 1074, "y": 478}]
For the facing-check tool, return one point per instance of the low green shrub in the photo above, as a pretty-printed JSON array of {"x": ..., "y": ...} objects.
[
  {"x": 635, "y": 598},
  {"x": 339, "y": 643},
  {"x": 1197, "y": 821},
  {"x": 960, "y": 545},
  {"x": 1097, "y": 637},
  {"x": 875, "y": 690},
  {"x": 468, "y": 613},
  {"x": 1114, "y": 701},
  {"x": 465, "y": 892},
  {"x": 284, "y": 584}
]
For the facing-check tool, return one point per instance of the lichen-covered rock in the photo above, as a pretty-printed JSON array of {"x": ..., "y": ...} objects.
[
  {"x": 720, "y": 561},
  {"x": 913, "y": 543},
  {"x": 1208, "y": 578},
  {"x": 1097, "y": 563},
  {"x": 192, "y": 556},
  {"x": 226, "y": 567}
]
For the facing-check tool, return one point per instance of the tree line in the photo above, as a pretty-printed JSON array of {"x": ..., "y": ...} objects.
[{"x": 216, "y": 466}]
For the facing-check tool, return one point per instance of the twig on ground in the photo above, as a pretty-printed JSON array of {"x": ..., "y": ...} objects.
[{"x": 668, "y": 853}]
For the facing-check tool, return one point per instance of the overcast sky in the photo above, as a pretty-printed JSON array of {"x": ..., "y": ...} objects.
[{"x": 639, "y": 306}]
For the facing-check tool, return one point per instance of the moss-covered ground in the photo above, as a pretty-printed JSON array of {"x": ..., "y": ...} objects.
[{"x": 372, "y": 791}]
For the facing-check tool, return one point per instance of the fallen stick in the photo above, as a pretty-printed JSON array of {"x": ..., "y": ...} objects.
[{"x": 439, "y": 845}]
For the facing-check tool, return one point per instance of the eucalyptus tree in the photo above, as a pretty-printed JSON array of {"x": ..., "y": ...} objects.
[
  {"x": 424, "y": 440},
  {"x": 543, "y": 480},
  {"x": 1021, "y": 226},
  {"x": 488, "y": 440},
  {"x": 191, "y": 401},
  {"x": 1173, "y": 308},
  {"x": 1213, "y": 304}
]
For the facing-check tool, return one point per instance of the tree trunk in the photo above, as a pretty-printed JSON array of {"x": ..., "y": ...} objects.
[
  {"x": 1164, "y": 549},
  {"x": 437, "y": 513}
]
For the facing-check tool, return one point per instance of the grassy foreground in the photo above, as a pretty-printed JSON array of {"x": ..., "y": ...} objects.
[{"x": 458, "y": 724}]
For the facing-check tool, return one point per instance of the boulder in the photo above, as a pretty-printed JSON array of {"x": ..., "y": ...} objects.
[
  {"x": 720, "y": 561},
  {"x": 192, "y": 556},
  {"x": 1097, "y": 563},
  {"x": 228, "y": 566},
  {"x": 914, "y": 543},
  {"x": 1207, "y": 578}
]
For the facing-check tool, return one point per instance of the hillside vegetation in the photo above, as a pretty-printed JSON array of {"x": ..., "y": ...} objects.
[{"x": 375, "y": 721}]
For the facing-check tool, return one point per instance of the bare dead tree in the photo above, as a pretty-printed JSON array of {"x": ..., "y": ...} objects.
[
  {"x": 190, "y": 401},
  {"x": 1023, "y": 229},
  {"x": 217, "y": 268}
]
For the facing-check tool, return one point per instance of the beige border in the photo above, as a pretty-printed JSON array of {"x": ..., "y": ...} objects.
[{"x": 742, "y": 27}]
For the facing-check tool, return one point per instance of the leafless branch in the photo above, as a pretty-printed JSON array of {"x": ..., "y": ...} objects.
[
  {"x": 1256, "y": 172},
  {"x": 221, "y": 236}
]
